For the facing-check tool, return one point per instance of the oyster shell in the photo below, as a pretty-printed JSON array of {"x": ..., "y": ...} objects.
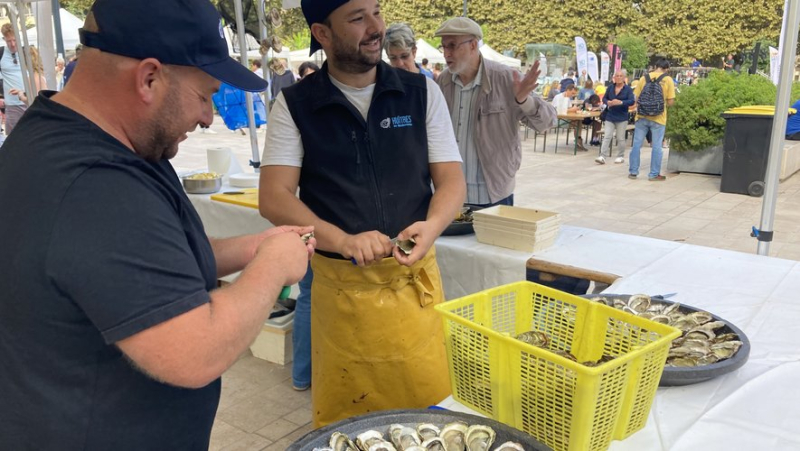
[
  {"x": 639, "y": 302},
  {"x": 479, "y": 437},
  {"x": 510, "y": 446},
  {"x": 454, "y": 436},
  {"x": 406, "y": 245},
  {"x": 427, "y": 431},
  {"x": 433, "y": 444},
  {"x": 534, "y": 338},
  {"x": 368, "y": 438},
  {"x": 403, "y": 437},
  {"x": 381, "y": 446},
  {"x": 341, "y": 442}
]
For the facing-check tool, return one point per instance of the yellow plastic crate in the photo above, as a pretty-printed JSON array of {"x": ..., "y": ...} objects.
[{"x": 564, "y": 404}]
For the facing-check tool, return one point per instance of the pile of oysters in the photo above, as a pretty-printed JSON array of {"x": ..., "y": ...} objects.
[
  {"x": 703, "y": 341},
  {"x": 457, "y": 436}
]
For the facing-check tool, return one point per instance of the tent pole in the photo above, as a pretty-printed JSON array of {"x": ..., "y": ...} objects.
[
  {"x": 251, "y": 117},
  {"x": 782, "y": 102},
  {"x": 262, "y": 28},
  {"x": 57, "y": 24}
]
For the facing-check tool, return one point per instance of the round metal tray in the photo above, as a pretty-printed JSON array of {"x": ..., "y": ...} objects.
[
  {"x": 674, "y": 376},
  {"x": 380, "y": 421}
]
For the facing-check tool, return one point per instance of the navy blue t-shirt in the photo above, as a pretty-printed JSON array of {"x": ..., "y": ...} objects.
[{"x": 97, "y": 244}]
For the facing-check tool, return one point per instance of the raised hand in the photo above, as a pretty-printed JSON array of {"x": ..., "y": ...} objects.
[{"x": 523, "y": 88}]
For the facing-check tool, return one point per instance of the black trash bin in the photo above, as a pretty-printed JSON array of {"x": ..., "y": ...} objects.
[{"x": 746, "y": 149}]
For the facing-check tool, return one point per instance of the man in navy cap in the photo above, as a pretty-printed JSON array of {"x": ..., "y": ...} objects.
[
  {"x": 363, "y": 142},
  {"x": 112, "y": 334}
]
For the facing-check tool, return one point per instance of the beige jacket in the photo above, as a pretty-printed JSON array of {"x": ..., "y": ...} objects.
[{"x": 497, "y": 126}]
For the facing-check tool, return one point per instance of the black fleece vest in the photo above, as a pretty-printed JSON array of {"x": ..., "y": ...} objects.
[{"x": 363, "y": 176}]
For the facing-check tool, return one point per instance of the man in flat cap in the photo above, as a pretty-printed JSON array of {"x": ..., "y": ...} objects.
[
  {"x": 487, "y": 100},
  {"x": 113, "y": 335},
  {"x": 363, "y": 142}
]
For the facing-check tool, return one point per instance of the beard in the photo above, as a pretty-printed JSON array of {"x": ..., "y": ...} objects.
[
  {"x": 160, "y": 135},
  {"x": 355, "y": 61}
]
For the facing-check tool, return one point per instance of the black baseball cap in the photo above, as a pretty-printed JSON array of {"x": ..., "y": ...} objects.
[
  {"x": 176, "y": 32},
  {"x": 316, "y": 11}
]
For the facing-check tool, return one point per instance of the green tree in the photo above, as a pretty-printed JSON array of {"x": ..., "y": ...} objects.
[
  {"x": 707, "y": 30},
  {"x": 79, "y": 8},
  {"x": 635, "y": 50}
]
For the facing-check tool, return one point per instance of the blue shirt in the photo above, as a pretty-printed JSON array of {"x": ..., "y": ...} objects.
[{"x": 793, "y": 123}]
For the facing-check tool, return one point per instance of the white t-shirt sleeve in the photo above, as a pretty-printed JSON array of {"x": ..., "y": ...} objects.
[
  {"x": 442, "y": 146},
  {"x": 284, "y": 146}
]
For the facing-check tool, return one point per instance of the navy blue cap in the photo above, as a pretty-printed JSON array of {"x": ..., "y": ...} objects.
[
  {"x": 176, "y": 32},
  {"x": 316, "y": 11}
]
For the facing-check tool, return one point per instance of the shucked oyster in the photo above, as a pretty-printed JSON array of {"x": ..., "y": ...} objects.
[
  {"x": 479, "y": 437},
  {"x": 341, "y": 442},
  {"x": 427, "y": 430},
  {"x": 368, "y": 438},
  {"x": 403, "y": 437},
  {"x": 454, "y": 436}
]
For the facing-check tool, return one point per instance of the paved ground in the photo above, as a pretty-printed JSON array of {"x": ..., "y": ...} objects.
[{"x": 259, "y": 410}]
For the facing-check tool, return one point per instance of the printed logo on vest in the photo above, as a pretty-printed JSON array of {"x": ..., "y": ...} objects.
[
  {"x": 402, "y": 121},
  {"x": 386, "y": 123}
]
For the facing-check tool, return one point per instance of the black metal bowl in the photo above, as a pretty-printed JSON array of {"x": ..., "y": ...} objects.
[
  {"x": 458, "y": 228},
  {"x": 674, "y": 376},
  {"x": 380, "y": 421}
]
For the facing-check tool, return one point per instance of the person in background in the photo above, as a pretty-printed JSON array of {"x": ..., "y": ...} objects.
[
  {"x": 280, "y": 77},
  {"x": 487, "y": 101},
  {"x": 72, "y": 63},
  {"x": 60, "y": 64},
  {"x": 437, "y": 69},
  {"x": 563, "y": 105},
  {"x": 113, "y": 333},
  {"x": 306, "y": 69},
  {"x": 38, "y": 71},
  {"x": 568, "y": 80},
  {"x": 600, "y": 89},
  {"x": 618, "y": 98},
  {"x": 11, "y": 72},
  {"x": 655, "y": 124},
  {"x": 587, "y": 90},
  {"x": 372, "y": 151},
  {"x": 793, "y": 124},
  {"x": 592, "y": 103},
  {"x": 555, "y": 89},
  {"x": 695, "y": 63},
  {"x": 728, "y": 63},
  {"x": 401, "y": 47}
]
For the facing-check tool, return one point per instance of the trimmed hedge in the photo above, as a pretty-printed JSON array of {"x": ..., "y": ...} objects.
[{"x": 695, "y": 123}]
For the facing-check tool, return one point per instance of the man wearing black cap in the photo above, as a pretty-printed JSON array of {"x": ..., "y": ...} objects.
[
  {"x": 112, "y": 334},
  {"x": 363, "y": 142}
]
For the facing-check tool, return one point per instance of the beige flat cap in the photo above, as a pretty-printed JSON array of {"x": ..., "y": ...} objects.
[{"x": 459, "y": 26}]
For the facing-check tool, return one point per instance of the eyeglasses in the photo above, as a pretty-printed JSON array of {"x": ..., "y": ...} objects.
[{"x": 452, "y": 46}]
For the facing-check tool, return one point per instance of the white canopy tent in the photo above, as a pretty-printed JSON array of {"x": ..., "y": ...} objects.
[
  {"x": 425, "y": 50},
  {"x": 69, "y": 31},
  {"x": 492, "y": 54}
]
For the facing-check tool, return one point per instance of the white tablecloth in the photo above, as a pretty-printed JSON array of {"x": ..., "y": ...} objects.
[{"x": 755, "y": 407}]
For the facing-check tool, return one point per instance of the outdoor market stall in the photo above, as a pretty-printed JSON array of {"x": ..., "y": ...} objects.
[{"x": 754, "y": 407}]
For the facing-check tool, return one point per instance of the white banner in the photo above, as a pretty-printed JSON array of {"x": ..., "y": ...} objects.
[
  {"x": 774, "y": 65},
  {"x": 580, "y": 55},
  {"x": 605, "y": 61},
  {"x": 592, "y": 60}
]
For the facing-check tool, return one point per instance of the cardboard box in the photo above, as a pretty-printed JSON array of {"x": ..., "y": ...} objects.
[{"x": 273, "y": 344}]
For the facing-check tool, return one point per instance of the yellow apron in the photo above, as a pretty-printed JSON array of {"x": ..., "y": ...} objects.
[{"x": 376, "y": 341}]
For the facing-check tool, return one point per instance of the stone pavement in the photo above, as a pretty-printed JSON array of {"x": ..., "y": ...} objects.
[{"x": 259, "y": 409}]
